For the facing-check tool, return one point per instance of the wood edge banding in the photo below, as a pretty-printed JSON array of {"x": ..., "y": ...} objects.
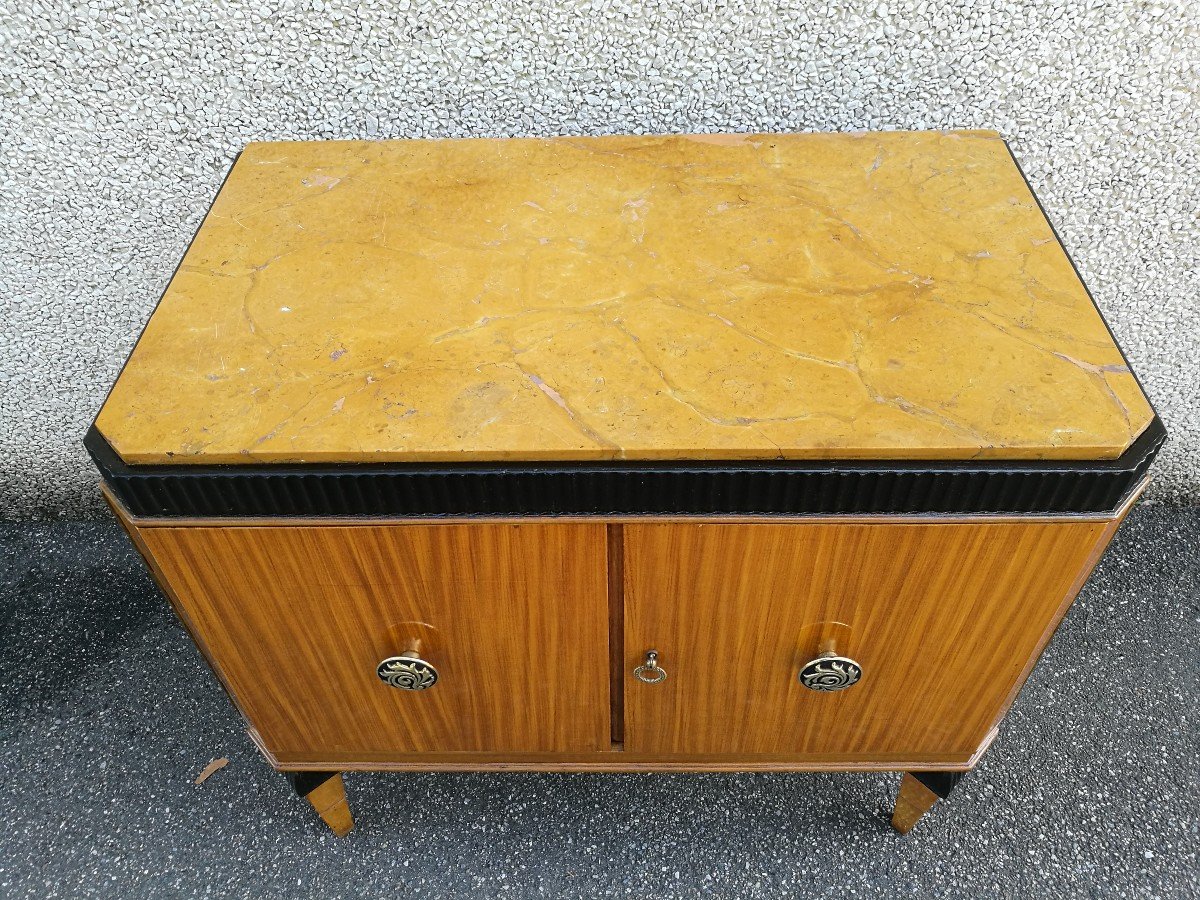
[{"x": 616, "y": 765}]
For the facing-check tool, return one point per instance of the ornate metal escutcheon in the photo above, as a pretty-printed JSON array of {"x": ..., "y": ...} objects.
[
  {"x": 830, "y": 672},
  {"x": 408, "y": 672}
]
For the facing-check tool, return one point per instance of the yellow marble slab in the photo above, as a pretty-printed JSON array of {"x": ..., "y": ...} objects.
[{"x": 893, "y": 295}]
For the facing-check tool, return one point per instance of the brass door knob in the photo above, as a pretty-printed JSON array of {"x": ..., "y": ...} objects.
[
  {"x": 830, "y": 672},
  {"x": 408, "y": 672},
  {"x": 650, "y": 671}
]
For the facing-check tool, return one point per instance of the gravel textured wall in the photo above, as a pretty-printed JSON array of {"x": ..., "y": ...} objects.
[{"x": 118, "y": 120}]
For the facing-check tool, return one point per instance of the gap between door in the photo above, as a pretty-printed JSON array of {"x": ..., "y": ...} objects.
[{"x": 616, "y": 634}]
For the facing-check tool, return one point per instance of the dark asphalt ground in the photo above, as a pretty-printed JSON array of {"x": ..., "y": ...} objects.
[{"x": 1091, "y": 790}]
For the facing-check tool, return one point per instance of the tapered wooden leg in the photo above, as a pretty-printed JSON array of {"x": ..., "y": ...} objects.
[
  {"x": 913, "y": 801},
  {"x": 918, "y": 792},
  {"x": 327, "y": 794}
]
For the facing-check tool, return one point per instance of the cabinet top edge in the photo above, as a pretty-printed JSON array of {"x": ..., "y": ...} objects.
[{"x": 616, "y": 490}]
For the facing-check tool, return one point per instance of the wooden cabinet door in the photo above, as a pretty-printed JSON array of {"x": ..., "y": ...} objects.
[
  {"x": 944, "y": 619},
  {"x": 296, "y": 619}
]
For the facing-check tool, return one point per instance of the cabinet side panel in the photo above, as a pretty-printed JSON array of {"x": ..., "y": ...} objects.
[
  {"x": 137, "y": 536},
  {"x": 945, "y": 620},
  {"x": 514, "y": 617}
]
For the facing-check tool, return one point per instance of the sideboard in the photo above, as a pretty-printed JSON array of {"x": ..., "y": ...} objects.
[{"x": 677, "y": 453}]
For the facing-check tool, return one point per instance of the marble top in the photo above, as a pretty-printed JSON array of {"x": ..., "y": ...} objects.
[{"x": 799, "y": 296}]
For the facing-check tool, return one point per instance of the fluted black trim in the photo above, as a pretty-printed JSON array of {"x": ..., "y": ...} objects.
[{"x": 771, "y": 488}]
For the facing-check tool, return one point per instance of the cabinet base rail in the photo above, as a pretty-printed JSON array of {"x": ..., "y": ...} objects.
[{"x": 919, "y": 791}]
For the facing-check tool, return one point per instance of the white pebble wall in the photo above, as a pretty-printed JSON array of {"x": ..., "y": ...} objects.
[{"x": 119, "y": 119}]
